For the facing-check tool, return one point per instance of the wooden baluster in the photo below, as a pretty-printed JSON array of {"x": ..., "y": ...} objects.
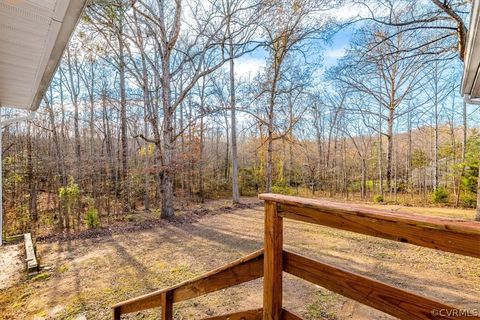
[
  {"x": 273, "y": 265},
  {"x": 117, "y": 315},
  {"x": 167, "y": 305}
]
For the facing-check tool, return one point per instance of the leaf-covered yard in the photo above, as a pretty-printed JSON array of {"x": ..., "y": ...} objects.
[{"x": 83, "y": 276}]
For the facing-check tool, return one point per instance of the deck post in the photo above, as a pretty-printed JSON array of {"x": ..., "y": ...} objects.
[
  {"x": 167, "y": 305},
  {"x": 1, "y": 183},
  {"x": 273, "y": 263},
  {"x": 117, "y": 313}
]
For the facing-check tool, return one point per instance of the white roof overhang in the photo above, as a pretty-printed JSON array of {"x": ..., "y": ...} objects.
[
  {"x": 33, "y": 36},
  {"x": 471, "y": 74}
]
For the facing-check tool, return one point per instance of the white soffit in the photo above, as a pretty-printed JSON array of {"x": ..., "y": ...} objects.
[
  {"x": 33, "y": 36},
  {"x": 471, "y": 82}
]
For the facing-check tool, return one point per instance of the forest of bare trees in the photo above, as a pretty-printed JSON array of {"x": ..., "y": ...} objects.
[{"x": 150, "y": 110}]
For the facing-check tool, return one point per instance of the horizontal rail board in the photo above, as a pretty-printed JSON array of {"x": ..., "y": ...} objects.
[
  {"x": 242, "y": 270},
  {"x": 256, "y": 314},
  {"x": 394, "y": 301},
  {"x": 456, "y": 236}
]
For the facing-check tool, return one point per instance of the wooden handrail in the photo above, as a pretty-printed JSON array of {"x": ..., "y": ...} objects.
[
  {"x": 239, "y": 271},
  {"x": 462, "y": 237},
  {"x": 456, "y": 236},
  {"x": 396, "y": 302}
]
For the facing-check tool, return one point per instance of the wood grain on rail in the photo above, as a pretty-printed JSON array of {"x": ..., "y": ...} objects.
[
  {"x": 456, "y": 236},
  {"x": 394, "y": 301}
]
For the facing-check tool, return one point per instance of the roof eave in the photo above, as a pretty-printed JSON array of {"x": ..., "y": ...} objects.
[
  {"x": 470, "y": 88},
  {"x": 70, "y": 21}
]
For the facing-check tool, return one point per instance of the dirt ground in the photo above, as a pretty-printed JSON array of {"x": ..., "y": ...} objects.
[
  {"x": 11, "y": 265},
  {"x": 83, "y": 276}
]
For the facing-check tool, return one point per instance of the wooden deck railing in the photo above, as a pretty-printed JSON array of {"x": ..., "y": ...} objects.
[
  {"x": 457, "y": 236},
  {"x": 242, "y": 270}
]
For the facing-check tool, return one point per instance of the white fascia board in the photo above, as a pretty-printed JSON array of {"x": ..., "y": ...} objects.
[
  {"x": 71, "y": 12},
  {"x": 472, "y": 53}
]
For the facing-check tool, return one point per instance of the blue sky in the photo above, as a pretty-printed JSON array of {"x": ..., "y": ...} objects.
[
  {"x": 249, "y": 65},
  {"x": 336, "y": 49}
]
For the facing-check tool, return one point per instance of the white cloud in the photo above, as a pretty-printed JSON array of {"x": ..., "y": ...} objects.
[
  {"x": 336, "y": 53},
  {"x": 348, "y": 11},
  {"x": 248, "y": 67}
]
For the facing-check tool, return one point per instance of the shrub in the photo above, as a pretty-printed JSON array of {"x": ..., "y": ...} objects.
[
  {"x": 282, "y": 188},
  {"x": 469, "y": 199},
  {"x": 69, "y": 196},
  {"x": 248, "y": 182},
  {"x": 91, "y": 218},
  {"x": 378, "y": 198},
  {"x": 70, "y": 192},
  {"x": 440, "y": 195}
]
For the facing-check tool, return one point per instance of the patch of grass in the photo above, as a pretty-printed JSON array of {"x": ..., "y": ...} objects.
[
  {"x": 180, "y": 269},
  {"x": 25, "y": 294},
  {"x": 63, "y": 268},
  {"x": 130, "y": 217},
  {"x": 456, "y": 213},
  {"x": 95, "y": 262},
  {"x": 386, "y": 255},
  {"x": 41, "y": 276},
  {"x": 156, "y": 212},
  {"x": 71, "y": 310},
  {"x": 160, "y": 265},
  {"x": 178, "y": 273},
  {"x": 17, "y": 305},
  {"x": 108, "y": 291},
  {"x": 42, "y": 314},
  {"x": 318, "y": 309}
]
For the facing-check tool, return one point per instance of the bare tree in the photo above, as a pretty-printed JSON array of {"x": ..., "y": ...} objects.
[
  {"x": 108, "y": 19},
  {"x": 440, "y": 25},
  {"x": 191, "y": 55},
  {"x": 386, "y": 74},
  {"x": 287, "y": 25}
]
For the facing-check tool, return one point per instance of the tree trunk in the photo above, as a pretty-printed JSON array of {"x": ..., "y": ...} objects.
[
  {"x": 32, "y": 204},
  {"x": 390, "y": 148},
  {"x": 201, "y": 182},
  {"x": 435, "y": 118},
  {"x": 166, "y": 176},
  {"x": 409, "y": 152},
  {"x": 235, "y": 189},
  {"x": 380, "y": 152},
  {"x": 271, "y": 109},
  {"x": 318, "y": 135},
  {"x": 477, "y": 216},
  {"x": 233, "y": 110},
  {"x": 58, "y": 150},
  {"x": 123, "y": 126},
  {"x": 464, "y": 152},
  {"x": 93, "y": 161},
  {"x": 364, "y": 179}
]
